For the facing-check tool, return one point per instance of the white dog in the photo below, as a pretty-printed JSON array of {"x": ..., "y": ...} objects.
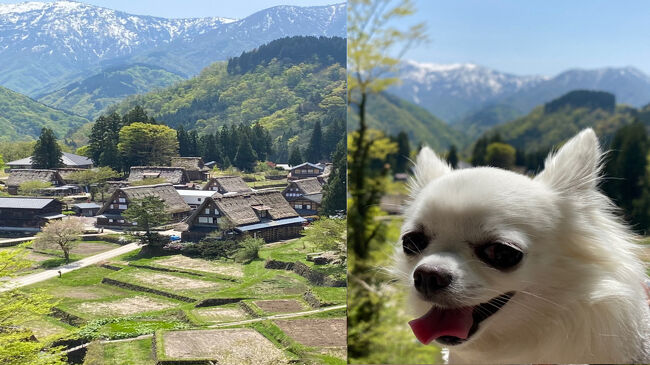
[{"x": 503, "y": 268}]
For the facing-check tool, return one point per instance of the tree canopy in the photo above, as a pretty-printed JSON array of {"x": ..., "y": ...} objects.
[{"x": 47, "y": 152}]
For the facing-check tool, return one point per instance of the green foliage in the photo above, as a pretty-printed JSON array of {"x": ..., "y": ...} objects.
[
  {"x": 103, "y": 141},
  {"x": 475, "y": 124},
  {"x": 314, "y": 151},
  {"x": 144, "y": 144},
  {"x": 47, "y": 152},
  {"x": 17, "y": 308},
  {"x": 334, "y": 192},
  {"x": 33, "y": 188},
  {"x": 90, "y": 96},
  {"x": 213, "y": 248},
  {"x": 246, "y": 156},
  {"x": 500, "y": 155},
  {"x": 148, "y": 181},
  {"x": 291, "y": 51},
  {"x": 248, "y": 250},
  {"x": 12, "y": 151},
  {"x": 268, "y": 95},
  {"x": 328, "y": 234},
  {"x": 295, "y": 158},
  {"x": 147, "y": 213},
  {"x": 23, "y": 118},
  {"x": 95, "y": 179},
  {"x": 589, "y": 99}
]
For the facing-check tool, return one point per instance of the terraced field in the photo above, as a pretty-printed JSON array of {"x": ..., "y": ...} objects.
[{"x": 177, "y": 298}]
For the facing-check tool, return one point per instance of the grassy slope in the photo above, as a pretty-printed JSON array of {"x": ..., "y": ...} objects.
[{"x": 21, "y": 118}]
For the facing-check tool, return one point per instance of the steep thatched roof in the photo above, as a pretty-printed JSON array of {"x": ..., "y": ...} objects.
[
  {"x": 67, "y": 172},
  {"x": 19, "y": 176},
  {"x": 309, "y": 186},
  {"x": 189, "y": 163},
  {"x": 240, "y": 209},
  {"x": 228, "y": 184},
  {"x": 165, "y": 192},
  {"x": 173, "y": 175}
]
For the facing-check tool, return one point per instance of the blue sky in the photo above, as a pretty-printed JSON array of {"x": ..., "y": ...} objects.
[
  {"x": 195, "y": 8},
  {"x": 534, "y": 36}
]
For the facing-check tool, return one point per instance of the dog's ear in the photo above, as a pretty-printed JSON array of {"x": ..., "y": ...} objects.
[
  {"x": 428, "y": 166},
  {"x": 575, "y": 167}
]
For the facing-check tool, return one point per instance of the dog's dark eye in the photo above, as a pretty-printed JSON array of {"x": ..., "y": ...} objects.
[
  {"x": 414, "y": 242},
  {"x": 499, "y": 255}
]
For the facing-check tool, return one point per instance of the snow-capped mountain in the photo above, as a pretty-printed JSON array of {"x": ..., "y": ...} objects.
[
  {"x": 449, "y": 91},
  {"x": 43, "y": 44},
  {"x": 457, "y": 91}
]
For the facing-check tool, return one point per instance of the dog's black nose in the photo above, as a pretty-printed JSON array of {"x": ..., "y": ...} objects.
[{"x": 429, "y": 279}]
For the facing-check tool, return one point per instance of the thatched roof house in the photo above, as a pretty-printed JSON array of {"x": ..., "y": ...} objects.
[
  {"x": 264, "y": 214},
  {"x": 111, "y": 213},
  {"x": 227, "y": 184},
  {"x": 69, "y": 160},
  {"x": 173, "y": 175},
  {"x": 194, "y": 167},
  {"x": 305, "y": 195},
  {"x": 19, "y": 176}
]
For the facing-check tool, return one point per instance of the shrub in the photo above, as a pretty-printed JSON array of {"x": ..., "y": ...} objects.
[{"x": 248, "y": 250}]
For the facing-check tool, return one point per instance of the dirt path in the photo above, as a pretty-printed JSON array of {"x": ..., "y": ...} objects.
[{"x": 51, "y": 273}]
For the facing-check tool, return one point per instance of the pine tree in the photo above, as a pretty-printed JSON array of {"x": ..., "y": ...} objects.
[
  {"x": 137, "y": 114},
  {"x": 47, "y": 152},
  {"x": 452, "y": 157},
  {"x": 334, "y": 193},
  {"x": 193, "y": 144},
  {"x": 314, "y": 151},
  {"x": 183, "y": 142},
  {"x": 295, "y": 157},
  {"x": 403, "y": 152},
  {"x": 245, "y": 158}
]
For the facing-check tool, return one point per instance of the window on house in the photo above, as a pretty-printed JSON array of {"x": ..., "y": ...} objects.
[
  {"x": 122, "y": 206},
  {"x": 120, "y": 221},
  {"x": 308, "y": 206},
  {"x": 199, "y": 199},
  {"x": 122, "y": 200},
  {"x": 110, "y": 220},
  {"x": 205, "y": 220},
  {"x": 207, "y": 210}
]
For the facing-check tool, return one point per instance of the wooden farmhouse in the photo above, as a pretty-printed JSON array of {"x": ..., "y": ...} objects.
[
  {"x": 28, "y": 214},
  {"x": 19, "y": 176},
  {"x": 110, "y": 215},
  {"x": 304, "y": 195},
  {"x": 194, "y": 167},
  {"x": 305, "y": 171},
  {"x": 262, "y": 214},
  {"x": 172, "y": 175},
  {"x": 194, "y": 198},
  {"x": 227, "y": 184}
]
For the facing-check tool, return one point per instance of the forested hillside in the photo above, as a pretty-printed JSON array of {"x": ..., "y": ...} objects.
[
  {"x": 390, "y": 114},
  {"x": 21, "y": 118},
  {"x": 286, "y": 95},
  {"x": 558, "y": 120},
  {"x": 91, "y": 95}
]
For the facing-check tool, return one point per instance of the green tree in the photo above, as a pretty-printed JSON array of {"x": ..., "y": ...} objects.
[
  {"x": 143, "y": 144},
  {"x": 373, "y": 37},
  {"x": 403, "y": 152},
  {"x": 245, "y": 158},
  {"x": 95, "y": 180},
  {"x": 147, "y": 213},
  {"x": 137, "y": 115},
  {"x": 183, "y": 142},
  {"x": 328, "y": 234},
  {"x": 500, "y": 155},
  {"x": 334, "y": 194},
  {"x": 103, "y": 141},
  {"x": 314, "y": 150},
  {"x": 33, "y": 187},
  {"x": 17, "y": 309},
  {"x": 248, "y": 250},
  {"x": 63, "y": 234},
  {"x": 295, "y": 157},
  {"x": 47, "y": 152},
  {"x": 452, "y": 156}
]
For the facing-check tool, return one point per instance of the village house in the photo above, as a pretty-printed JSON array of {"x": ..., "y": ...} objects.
[
  {"x": 70, "y": 160},
  {"x": 17, "y": 177},
  {"x": 305, "y": 171},
  {"x": 110, "y": 215},
  {"x": 194, "y": 167},
  {"x": 194, "y": 198},
  {"x": 265, "y": 215},
  {"x": 28, "y": 214},
  {"x": 304, "y": 195},
  {"x": 173, "y": 175},
  {"x": 86, "y": 209},
  {"x": 227, "y": 184}
]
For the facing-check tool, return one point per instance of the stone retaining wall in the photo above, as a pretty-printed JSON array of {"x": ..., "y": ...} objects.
[{"x": 147, "y": 290}]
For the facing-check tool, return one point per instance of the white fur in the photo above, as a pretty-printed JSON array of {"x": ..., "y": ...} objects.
[{"x": 580, "y": 286}]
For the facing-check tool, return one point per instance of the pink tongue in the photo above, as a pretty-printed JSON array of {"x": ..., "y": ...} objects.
[{"x": 440, "y": 322}]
